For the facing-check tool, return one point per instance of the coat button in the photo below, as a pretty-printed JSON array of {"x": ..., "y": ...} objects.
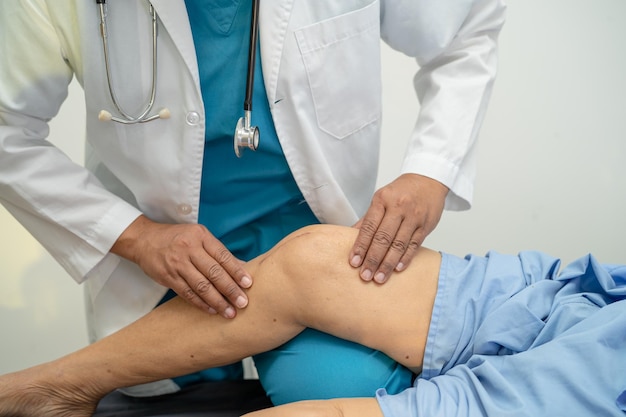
[
  {"x": 193, "y": 118},
  {"x": 183, "y": 209}
]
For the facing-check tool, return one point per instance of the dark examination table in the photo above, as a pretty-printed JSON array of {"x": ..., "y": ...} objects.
[{"x": 208, "y": 399}]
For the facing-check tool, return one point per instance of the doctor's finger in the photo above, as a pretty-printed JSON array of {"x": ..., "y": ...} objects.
[
  {"x": 226, "y": 286},
  {"x": 225, "y": 272},
  {"x": 413, "y": 245},
  {"x": 401, "y": 245},
  {"x": 198, "y": 291},
  {"x": 228, "y": 262},
  {"x": 376, "y": 262},
  {"x": 367, "y": 225}
]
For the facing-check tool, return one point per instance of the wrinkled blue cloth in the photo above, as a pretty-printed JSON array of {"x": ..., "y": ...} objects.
[{"x": 528, "y": 340}]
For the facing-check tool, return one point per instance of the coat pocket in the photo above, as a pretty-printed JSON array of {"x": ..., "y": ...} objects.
[{"x": 341, "y": 56}]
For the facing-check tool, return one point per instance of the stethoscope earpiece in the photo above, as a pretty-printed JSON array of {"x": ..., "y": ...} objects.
[{"x": 106, "y": 116}]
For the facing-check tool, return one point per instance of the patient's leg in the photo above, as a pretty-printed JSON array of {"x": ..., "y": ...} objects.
[
  {"x": 338, "y": 407},
  {"x": 303, "y": 282}
]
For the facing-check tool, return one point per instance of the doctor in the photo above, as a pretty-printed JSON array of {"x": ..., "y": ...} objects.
[{"x": 168, "y": 205}]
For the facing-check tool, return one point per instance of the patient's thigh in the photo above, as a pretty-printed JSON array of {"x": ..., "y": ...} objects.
[{"x": 315, "y": 365}]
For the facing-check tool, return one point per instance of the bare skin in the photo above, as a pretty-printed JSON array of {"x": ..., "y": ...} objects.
[
  {"x": 401, "y": 215},
  {"x": 188, "y": 259},
  {"x": 303, "y": 282},
  {"x": 342, "y": 407},
  {"x": 191, "y": 261}
]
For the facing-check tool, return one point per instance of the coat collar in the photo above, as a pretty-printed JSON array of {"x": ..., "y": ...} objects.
[{"x": 273, "y": 22}]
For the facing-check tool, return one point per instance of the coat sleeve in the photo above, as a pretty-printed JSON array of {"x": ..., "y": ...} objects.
[
  {"x": 455, "y": 45},
  {"x": 58, "y": 201}
]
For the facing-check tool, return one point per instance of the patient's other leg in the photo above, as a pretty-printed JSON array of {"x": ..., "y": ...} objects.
[{"x": 303, "y": 282}]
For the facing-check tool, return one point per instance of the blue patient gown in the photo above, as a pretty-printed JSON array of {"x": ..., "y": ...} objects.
[{"x": 529, "y": 341}]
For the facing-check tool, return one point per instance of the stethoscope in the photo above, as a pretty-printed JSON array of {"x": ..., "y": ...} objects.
[{"x": 246, "y": 136}]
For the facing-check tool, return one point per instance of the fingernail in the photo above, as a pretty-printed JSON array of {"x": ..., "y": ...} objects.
[
  {"x": 380, "y": 278},
  {"x": 246, "y": 282},
  {"x": 355, "y": 261},
  {"x": 400, "y": 266},
  {"x": 229, "y": 313},
  {"x": 212, "y": 310},
  {"x": 241, "y": 301},
  {"x": 366, "y": 275}
]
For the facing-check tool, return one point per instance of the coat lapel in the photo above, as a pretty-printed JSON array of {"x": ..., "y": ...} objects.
[
  {"x": 274, "y": 16},
  {"x": 174, "y": 19}
]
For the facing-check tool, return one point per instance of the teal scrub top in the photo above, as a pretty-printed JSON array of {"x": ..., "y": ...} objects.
[
  {"x": 252, "y": 202},
  {"x": 236, "y": 192}
]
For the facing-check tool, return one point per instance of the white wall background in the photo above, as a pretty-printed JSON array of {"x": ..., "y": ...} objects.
[{"x": 550, "y": 177}]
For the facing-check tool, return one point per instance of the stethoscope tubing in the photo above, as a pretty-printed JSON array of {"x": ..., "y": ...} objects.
[
  {"x": 254, "y": 32},
  {"x": 128, "y": 118},
  {"x": 246, "y": 136}
]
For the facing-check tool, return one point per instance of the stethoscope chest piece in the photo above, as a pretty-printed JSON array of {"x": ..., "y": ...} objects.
[{"x": 246, "y": 136}]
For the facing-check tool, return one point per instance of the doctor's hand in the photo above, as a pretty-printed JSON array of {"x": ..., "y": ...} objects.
[
  {"x": 398, "y": 220},
  {"x": 188, "y": 259}
]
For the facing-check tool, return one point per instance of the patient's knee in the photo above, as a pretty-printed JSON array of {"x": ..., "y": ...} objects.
[{"x": 315, "y": 249}]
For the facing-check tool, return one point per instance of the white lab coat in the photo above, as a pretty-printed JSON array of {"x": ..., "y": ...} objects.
[{"x": 321, "y": 65}]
